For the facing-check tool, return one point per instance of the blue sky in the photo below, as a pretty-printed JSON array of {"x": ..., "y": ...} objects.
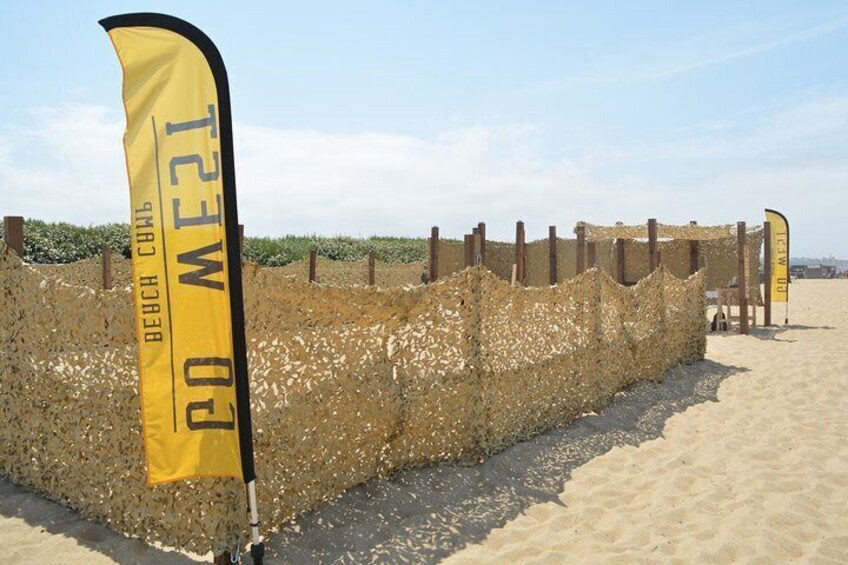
[{"x": 390, "y": 117}]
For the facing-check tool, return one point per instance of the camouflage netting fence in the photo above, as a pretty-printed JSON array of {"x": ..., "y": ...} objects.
[
  {"x": 354, "y": 273},
  {"x": 346, "y": 384},
  {"x": 717, "y": 249},
  {"x": 89, "y": 272}
]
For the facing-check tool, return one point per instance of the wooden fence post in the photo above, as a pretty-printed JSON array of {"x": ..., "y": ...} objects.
[
  {"x": 694, "y": 252},
  {"x": 477, "y": 244},
  {"x": 107, "y": 267},
  {"x": 552, "y": 255},
  {"x": 619, "y": 260},
  {"x": 469, "y": 250},
  {"x": 481, "y": 228},
  {"x": 767, "y": 273},
  {"x": 313, "y": 265},
  {"x": 591, "y": 254},
  {"x": 13, "y": 233},
  {"x": 653, "y": 259},
  {"x": 434, "y": 254},
  {"x": 519, "y": 253},
  {"x": 372, "y": 267},
  {"x": 741, "y": 236},
  {"x": 581, "y": 249}
]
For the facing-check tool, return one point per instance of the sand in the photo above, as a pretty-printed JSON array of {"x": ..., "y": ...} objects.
[
  {"x": 759, "y": 476},
  {"x": 741, "y": 458}
]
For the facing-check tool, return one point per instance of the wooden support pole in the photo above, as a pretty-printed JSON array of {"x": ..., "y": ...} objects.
[
  {"x": 107, "y": 267},
  {"x": 313, "y": 265},
  {"x": 619, "y": 261},
  {"x": 481, "y": 228},
  {"x": 520, "y": 265},
  {"x": 477, "y": 246},
  {"x": 741, "y": 236},
  {"x": 13, "y": 233},
  {"x": 372, "y": 268},
  {"x": 581, "y": 249},
  {"x": 469, "y": 250},
  {"x": 767, "y": 273},
  {"x": 694, "y": 252},
  {"x": 434, "y": 254},
  {"x": 653, "y": 259},
  {"x": 591, "y": 254},
  {"x": 552, "y": 255}
]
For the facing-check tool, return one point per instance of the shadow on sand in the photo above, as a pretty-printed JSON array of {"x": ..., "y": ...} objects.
[
  {"x": 424, "y": 515},
  {"x": 774, "y": 333},
  {"x": 16, "y": 502}
]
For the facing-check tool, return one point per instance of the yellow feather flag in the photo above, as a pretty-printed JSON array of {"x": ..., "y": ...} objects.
[
  {"x": 185, "y": 250},
  {"x": 779, "y": 256}
]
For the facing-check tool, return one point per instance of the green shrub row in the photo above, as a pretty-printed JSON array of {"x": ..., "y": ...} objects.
[{"x": 48, "y": 242}]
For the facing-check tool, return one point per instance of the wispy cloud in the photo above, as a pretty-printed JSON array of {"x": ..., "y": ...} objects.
[
  {"x": 783, "y": 40},
  {"x": 671, "y": 58},
  {"x": 66, "y": 163}
]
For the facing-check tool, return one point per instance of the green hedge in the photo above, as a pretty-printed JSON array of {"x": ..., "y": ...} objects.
[{"x": 65, "y": 243}]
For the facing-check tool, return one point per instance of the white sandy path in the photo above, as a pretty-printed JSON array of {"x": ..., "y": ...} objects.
[{"x": 759, "y": 476}]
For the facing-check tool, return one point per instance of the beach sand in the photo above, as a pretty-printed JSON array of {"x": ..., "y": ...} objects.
[
  {"x": 741, "y": 458},
  {"x": 759, "y": 476}
]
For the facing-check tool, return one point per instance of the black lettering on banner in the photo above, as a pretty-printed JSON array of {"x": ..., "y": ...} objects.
[
  {"x": 154, "y": 296},
  {"x": 208, "y": 362},
  {"x": 209, "y": 407},
  {"x": 201, "y": 220},
  {"x": 207, "y": 266},
  {"x": 150, "y": 337},
  {"x": 171, "y": 127},
  {"x": 198, "y": 160},
  {"x": 148, "y": 309},
  {"x": 148, "y": 280},
  {"x": 146, "y": 207}
]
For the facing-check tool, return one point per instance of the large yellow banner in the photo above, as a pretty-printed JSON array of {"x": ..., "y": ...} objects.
[
  {"x": 779, "y": 256},
  {"x": 181, "y": 252}
]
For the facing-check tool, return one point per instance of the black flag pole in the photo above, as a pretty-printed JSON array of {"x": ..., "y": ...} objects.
[{"x": 219, "y": 73}]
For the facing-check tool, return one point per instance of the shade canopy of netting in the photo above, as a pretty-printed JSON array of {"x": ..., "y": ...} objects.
[{"x": 692, "y": 232}]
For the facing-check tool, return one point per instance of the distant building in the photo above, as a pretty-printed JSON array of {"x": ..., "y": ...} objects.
[
  {"x": 813, "y": 272},
  {"x": 797, "y": 271}
]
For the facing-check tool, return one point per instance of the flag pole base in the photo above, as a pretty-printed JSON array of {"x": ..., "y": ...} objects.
[
  {"x": 257, "y": 548},
  {"x": 257, "y": 552}
]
